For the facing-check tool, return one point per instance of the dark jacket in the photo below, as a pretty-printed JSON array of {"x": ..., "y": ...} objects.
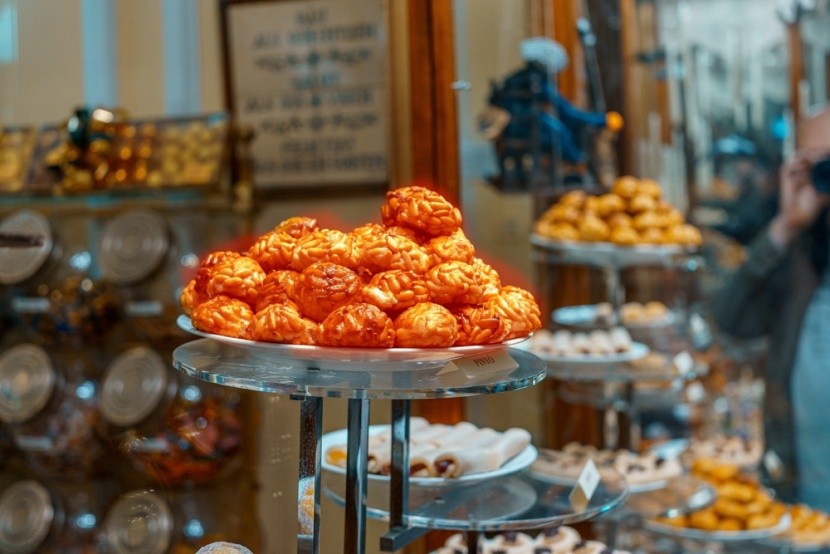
[{"x": 769, "y": 295}]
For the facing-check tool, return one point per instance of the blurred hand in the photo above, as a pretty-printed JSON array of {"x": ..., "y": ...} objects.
[
  {"x": 800, "y": 203},
  {"x": 614, "y": 121}
]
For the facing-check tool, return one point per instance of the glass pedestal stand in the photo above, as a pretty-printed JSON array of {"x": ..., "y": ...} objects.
[{"x": 410, "y": 511}]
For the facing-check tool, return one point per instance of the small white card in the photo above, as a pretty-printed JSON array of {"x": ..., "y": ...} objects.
[
  {"x": 585, "y": 486},
  {"x": 774, "y": 465},
  {"x": 684, "y": 363},
  {"x": 486, "y": 364}
]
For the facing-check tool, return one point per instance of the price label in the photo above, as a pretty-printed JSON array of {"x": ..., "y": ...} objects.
[
  {"x": 30, "y": 305},
  {"x": 486, "y": 364},
  {"x": 585, "y": 486}
]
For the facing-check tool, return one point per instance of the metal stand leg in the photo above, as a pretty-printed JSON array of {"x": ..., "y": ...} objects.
[
  {"x": 399, "y": 535},
  {"x": 311, "y": 425},
  {"x": 357, "y": 457}
]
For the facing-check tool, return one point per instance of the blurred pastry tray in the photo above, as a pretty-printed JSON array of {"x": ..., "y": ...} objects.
[
  {"x": 177, "y": 153},
  {"x": 17, "y": 145},
  {"x": 606, "y": 254},
  {"x": 722, "y": 536},
  {"x": 584, "y": 317}
]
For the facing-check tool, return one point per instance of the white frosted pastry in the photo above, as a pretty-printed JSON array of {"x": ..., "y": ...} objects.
[
  {"x": 727, "y": 450},
  {"x": 560, "y": 540},
  {"x": 510, "y": 543}
]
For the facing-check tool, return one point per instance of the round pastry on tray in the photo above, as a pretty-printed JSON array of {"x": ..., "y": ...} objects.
[
  {"x": 554, "y": 540},
  {"x": 632, "y": 215},
  {"x": 413, "y": 282},
  {"x": 598, "y": 346}
]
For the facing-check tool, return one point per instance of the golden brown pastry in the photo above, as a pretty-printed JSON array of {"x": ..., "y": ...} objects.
[
  {"x": 559, "y": 213},
  {"x": 238, "y": 278},
  {"x": 273, "y": 250},
  {"x": 455, "y": 283},
  {"x": 517, "y": 306},
  {"x": 625, "y": 236},
  {"x": 761, "y": 521},
  {"x": 283, "y": 323},
  {"x": 491, "y": 281},
  {"x": 687, "y": 235},
  {"x": 324, "y": 287},
  {"x": 559, "y": 231},
  {"x": 593, "y": 229},
  {"x": 649, "y": 187},
  {"x": 360, "y": 325},
  {"x": 652, "y": 235},
  {"x": 609, "y": 204},
  {"x": 729, "y": 508},
  {"x": 206, "y": 266},
  {"x": 574, "y": 199},
  {"x": 729, "y": 524},
  {"x": 620, "y": 220},
  {"x": 426, "y": 325},
  {"x": 625, "y": 186},
  {"x": 480, "y": 325},
  {"x": 278, "y": 287},
  {"x": 673, "y": 217},
  {"x": 648, "y": 220},
  {"x": 422, "y": 209},
  {"x": 395, "y": 290},
  {"x": 222, "y": 315},
  {"x": 705, "y": 519},
  {"x": 190, "y": 298},
  {"x": 736, "y": 491},
  {"x": 327, "y": 245},
  {"x": 642, "y": 203},
  {"x": 453, "y": 248},
  {"x": 388, "y": 251},
  {"x": 298, "y": 227}
]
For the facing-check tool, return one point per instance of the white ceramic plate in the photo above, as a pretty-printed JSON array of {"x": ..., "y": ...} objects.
[
  {"x": 353, "y": 359},
  {"x": 633, "y": 488},
  {"x": 585, "y": 316},
  {"x": 517, "y": 463},
  {"x": 638, "y": 350},
  {"x": 726, "y": 536}
]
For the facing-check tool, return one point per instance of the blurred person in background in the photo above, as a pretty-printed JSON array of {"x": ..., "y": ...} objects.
[{"x": 783, "y": 290}]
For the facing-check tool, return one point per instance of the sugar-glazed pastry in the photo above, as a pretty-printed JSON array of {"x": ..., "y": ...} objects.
[
  {"x": 206, "y": 267},
  {"x": 455, "y": 283},
  {"x": 222, "y": 315},
  {"x": 388, "y": 251},
  {"x": 324, "y": 287},
  {"x": 283, "y": 323},
  {"x": 189, "y": 298},
  {"x": 395, "y": 290},
  {"x": 480, "y": 324},
  {"x": 278, "y": 287},
  {"x": 519, "y": 307},
  {"x": 298, "y": 227},
  {"x": 559, "y": 539},
  {"x": 422, "y": 209},
  {"x": 360, "y": 325},
  {"x": 426, "y": 325},
  {"x": 238, "y": 278},
  {"x": 491, "y": 281},
  {"x": 326, "y": 245},
  {"x": 626, "y": 186},
  {"x": 451, "y": 248},
  {"x": 273, "y": 250}
]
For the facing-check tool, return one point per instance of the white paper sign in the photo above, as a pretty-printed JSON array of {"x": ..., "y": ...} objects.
[
  {"x": 585, "y": 486},
  {"x": 486, "y": 364},
  {"x": 310, "y": 77},
  {"x": 684, "y": 363}
]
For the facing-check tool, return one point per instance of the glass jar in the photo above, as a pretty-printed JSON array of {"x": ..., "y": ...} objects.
[
  {"x": 174, "y": 430},
  {"x": 53, "y": 518},
  {"x": 51, "y": 416},
  {"x": 181, "y": 521}
]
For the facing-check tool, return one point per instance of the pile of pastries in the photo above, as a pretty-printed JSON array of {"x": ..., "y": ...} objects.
[
  {"x": 442, "y": 451},
  {"x": 741, "y": 504},
  {"x": 413, "y": 281},
  {"x": 637, "y": 469},
  {"x": 633, "y": 313},
  {"x": 808, "y": 527},
  {"x": 726, "y": 449},
  {"x": 633, "y": 213},
  {"x": 554, "y": 540},
  {"x": 565, "y": 344}
]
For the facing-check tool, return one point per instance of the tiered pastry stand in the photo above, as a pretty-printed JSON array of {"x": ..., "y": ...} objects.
[
  {"x": 613, "y": 385},
  {"x": 510, "y": 502}
]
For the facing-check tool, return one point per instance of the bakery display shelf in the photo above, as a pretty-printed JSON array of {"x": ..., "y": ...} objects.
[
  {"x": 604, "y": 254},
  {"x": 233, "y": 366},
  {"x": 228, "y": 365},
  {"x": 519, "y": 502},
  {"x": 584, "y": 318},
  {"x": 654, "y": 367},
  {"x": 719, "y": 536}
]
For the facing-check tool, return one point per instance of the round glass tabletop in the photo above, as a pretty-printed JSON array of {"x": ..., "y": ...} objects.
[
  {"x": 603, "y": 254},
  {"x": 233, "y": 366},
  {"x": 517, "y": 502},
  {"x": 681, "y": 495},
  {"x": 651, "y": 367}
]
